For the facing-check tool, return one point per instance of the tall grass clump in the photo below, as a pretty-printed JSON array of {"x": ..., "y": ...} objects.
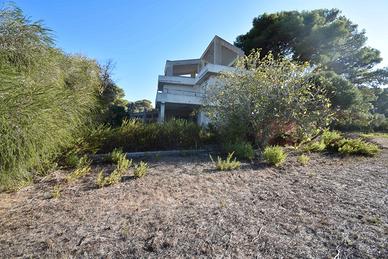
[{"x": 46, "y": 97}]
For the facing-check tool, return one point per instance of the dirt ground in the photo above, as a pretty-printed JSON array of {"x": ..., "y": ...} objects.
[{"x": 334, "y": 207}]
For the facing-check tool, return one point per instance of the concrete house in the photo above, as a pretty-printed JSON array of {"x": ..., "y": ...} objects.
[{"x": 181, "y": 88}]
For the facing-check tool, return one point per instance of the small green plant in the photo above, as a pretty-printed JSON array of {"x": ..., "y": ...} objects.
[
  {"x": 316, "y": 146},
  {"x": 357, "y": 147},
  {"x": 303, "y": 159},
  {"x": 242, "y": 150},
  {"x": 140, "y": 169},
  {"x": 56, "y": 192},
  {"x": 274, "y": 155},
  {"x": 123, "y": 163},
  {"x": 83, "y": 168},
  {"x": 115, "y": 177},
  {"x": 227, "y": 164},
  {"x": 116, "y": 155},
  {"x": 100, "y": 179}
]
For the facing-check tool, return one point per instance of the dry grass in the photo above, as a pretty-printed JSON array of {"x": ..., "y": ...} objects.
[{"x": 184, "y": 208}]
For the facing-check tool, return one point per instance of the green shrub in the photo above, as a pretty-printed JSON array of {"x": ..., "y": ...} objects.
[
  {"x": 331, "y": 137},
  {"x": 135, "y": 135},
  {"x": 227, "y": 164},
  {"x": 315, "y": 146},
  {"x": 140, "y": 169},
  {"x": 274, "y": 155},
  {"x": 83, "y": 168},
  {"x": 357, "y": 147},
  {"x": 242, "y": 150},
  {"x": 303, "y": 159}
]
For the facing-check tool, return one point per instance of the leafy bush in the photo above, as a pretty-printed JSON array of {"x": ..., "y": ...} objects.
[
  {"x": 227, "y": 164},
  {"x": 242, "y": 150},
  {"x": 357, "y": 147},
  {"x": 266, "y": 97},
  {"x": 140, "y": 169},
  {"x": 315, "y": 146},
  {"x": 274, "y": 155},
  {"x": 82, "y": 169},
  {"x": 303, "y": 159}
]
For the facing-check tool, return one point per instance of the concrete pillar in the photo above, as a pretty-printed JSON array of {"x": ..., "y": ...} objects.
[
  {"x": 161, "y": 112},
  {"x": 217, "y": 52}
]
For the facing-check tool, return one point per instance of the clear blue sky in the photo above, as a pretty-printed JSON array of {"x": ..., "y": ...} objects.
[{"x": 140, "y": 35}]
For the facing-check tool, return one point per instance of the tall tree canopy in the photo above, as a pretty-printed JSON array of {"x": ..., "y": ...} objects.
[{"x": 323, "y": 37}]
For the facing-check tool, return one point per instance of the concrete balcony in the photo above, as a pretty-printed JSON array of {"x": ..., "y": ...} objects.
[
  {"x": 211, "y": 69},
  {"x": 175, "y": 80},
  {"x": 179, "y": 96}
]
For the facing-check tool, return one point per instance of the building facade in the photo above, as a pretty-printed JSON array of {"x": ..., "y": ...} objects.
[{"x": 181, "y": 89}]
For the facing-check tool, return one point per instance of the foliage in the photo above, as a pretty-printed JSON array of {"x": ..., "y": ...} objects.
[
  {"x": 82, "y": 168},
  {"x": 116, "y": 155},
  {"x": 323, "y": 37},
  {"x": 47, "y": 97},
  {"x": 303, "y": 159},
  {"x": 357, "y": 147},
  {"x": 135, "y": 135},
  {"x": 114, "y": 106},
  {"x": 381, "y": 103},
  {"x": 344, "y": 65},
  {"x": 56, "y": 192},
  {"x": 375, "y": 135},
  {"x": 140, "y": 170},
  {"x": 315, "y": 146},
  {"x": 140, "y": 106},
  {"x": 241, "y": 149},
  {"x": 122, "y": 165},
  {"x": 226, "y": 165},
  {"x": 264, "y": 98},
  {"x": 331, "y": 138},
  {"x": 274, "y": 155},
  {"x": 100, "y": 181},
  {"x": 71, "y": 159}
]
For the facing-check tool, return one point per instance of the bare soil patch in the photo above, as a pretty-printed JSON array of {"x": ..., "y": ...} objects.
[{"x": 183, "y": 208}]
